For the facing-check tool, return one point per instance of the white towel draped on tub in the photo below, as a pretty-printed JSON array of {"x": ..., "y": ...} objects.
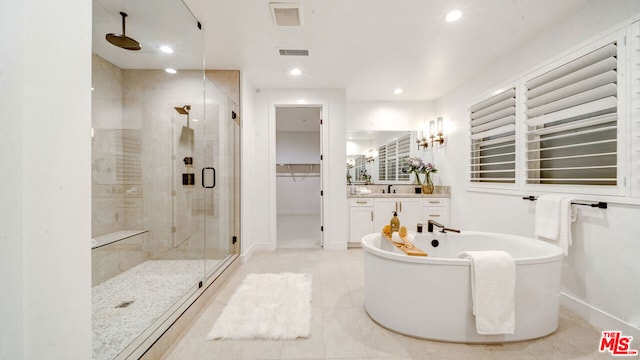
[
  {"x": 554, "y": 215},
  {"x": 493, "y": 284}
]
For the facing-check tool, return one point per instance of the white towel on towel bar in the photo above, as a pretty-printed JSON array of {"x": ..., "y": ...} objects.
[
  {"x": 493, "y": 284},
  {"x": 554, "y": 215}
]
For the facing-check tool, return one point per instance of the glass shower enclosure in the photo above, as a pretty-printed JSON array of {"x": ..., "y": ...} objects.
[{"x": 165, "y": 172}]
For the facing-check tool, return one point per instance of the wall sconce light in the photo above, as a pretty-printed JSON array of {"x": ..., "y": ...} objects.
[
  {"x": 422, "y": 140},
  {"x": 436, "y": 131}
]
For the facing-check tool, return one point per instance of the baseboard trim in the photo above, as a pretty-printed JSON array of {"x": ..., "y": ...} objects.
[
  {"x": 335, "y": 245},
  {"x": 598, "y": 318}
]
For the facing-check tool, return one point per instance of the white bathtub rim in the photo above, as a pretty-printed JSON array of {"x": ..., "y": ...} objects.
[{"x": 554, "y": 256}]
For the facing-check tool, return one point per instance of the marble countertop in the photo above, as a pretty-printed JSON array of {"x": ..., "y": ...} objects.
[
  {"x": 400, "y": 195},
  {"x": 402, "y": 191}
]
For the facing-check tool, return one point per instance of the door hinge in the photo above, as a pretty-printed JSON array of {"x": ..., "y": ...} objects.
[
  {"x": 320, "y": 121},
  {"x": 321, "y": 193},
  {"x": 173, "y": 229},
  {"x": 234, "y": 239},
  {"x": 199, "y": 284},
  {"x": 321, "y": 228},
  {"x": 321, "y": 157},
  {"x": 233, "y": 115}
]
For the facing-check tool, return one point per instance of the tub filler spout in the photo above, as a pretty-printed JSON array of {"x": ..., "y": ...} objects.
[{"x": 443, "y": 229}]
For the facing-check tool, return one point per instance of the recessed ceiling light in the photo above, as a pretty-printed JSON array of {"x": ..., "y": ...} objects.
[
  {"x": 296, "y": 72},
  {"x": 166, "y": 49},
  {"x": 454, "y": 15},
  {"x": 170, "y": 70},
  {"x": 397, "y": 91}
]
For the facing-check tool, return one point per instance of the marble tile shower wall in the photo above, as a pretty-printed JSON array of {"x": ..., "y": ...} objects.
[
  {"x": 149, "y": 98},
  {"x": 136, "y": 133},
  {"x": 116, "y": 156}
]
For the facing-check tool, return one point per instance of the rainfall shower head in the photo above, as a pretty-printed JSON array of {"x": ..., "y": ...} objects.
[
  {"x": 122, "y": 40},
  {"x": 183, "y": 110}
]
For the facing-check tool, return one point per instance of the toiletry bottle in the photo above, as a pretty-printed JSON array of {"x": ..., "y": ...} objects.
[{"x": 395, "y": 223}]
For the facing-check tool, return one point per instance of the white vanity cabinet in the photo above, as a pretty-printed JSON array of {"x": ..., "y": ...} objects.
[
  {"x": 371, "y": 214},
  {"x": 409, "y": 212},
  {"x": 361, "y": 218},
  {"x": 436, "y": 209}
]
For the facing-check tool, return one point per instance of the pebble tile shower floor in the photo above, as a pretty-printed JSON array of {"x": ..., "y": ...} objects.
[
  {"x": 125, "y": 305},
  {"x": 341, "y": 328}
]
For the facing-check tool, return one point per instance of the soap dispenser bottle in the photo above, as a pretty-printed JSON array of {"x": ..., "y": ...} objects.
[{"x": 395, "y": 223}]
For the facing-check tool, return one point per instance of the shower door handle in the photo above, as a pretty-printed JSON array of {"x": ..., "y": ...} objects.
[{"x": 214, "y": 177}]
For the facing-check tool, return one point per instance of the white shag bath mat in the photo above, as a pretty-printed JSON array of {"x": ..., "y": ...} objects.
[{"x": 267, "y": 306}]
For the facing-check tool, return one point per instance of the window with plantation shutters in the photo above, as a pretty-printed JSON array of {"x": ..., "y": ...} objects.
[
  {"x": 391, "y": 158},
  {"x": 493, "y": 139},
  {"x": 571, "y": 119},
  {"x": 635, "y": 109},
  {"x": 382, "y": 163},
  {"x": 360, "y": 167},
  {"x": 404, "y": 152}
]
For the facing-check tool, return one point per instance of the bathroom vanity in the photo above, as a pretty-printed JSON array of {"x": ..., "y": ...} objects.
[{"x": 368, "y": 213}]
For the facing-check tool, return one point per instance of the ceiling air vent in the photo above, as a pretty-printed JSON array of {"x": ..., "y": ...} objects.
[
  {"x": 286, "y": 14},
  {"x": 293, "y": 52}
]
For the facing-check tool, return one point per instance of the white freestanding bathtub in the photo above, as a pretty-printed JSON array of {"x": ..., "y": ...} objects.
[{"x": 430, "y": 297}]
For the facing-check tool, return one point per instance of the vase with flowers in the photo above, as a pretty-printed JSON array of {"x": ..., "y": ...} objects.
[
  {"x": 414, "y": 165},
  {"x": 427, "y": 184}
]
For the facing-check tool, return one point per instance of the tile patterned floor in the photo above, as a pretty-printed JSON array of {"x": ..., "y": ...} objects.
[{"x": 341, "y": 329}]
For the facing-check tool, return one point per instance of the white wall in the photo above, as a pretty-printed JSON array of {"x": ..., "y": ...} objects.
[
  {"x": 297, "y": 147},
  {"x": 598, "y": 275},
  {"x": 249, "y": 233},
  {"x": 389, "y": 115},
  {"x": 259, "y": 146},
  {"x": 45, "y": 270},
  {"x": 11, "y": 207}
]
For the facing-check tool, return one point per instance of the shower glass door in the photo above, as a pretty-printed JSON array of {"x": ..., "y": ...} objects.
[
  {"x": 164, "y": 174},
  {"x": 220, "y": 177}
]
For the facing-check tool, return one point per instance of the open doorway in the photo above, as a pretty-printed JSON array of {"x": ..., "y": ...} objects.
[{"x": 298, "y": 176}]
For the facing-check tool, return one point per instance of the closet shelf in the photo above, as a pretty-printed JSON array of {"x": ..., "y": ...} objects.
[{"x": 298, "y": 170}]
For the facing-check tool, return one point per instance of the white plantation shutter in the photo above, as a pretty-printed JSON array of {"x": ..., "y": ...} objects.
[
  {"x": 404, "y": 152},
  {"x": 360, "y": 167},
  {"x": 635, "y": 109},
  {"x": 493, "y": 140},
  {"x": 382, "y": 163},
  {"x": 571, "y": 117},
  {"x": 391, "y": 158},
  {"x": 392, "y": 161}
]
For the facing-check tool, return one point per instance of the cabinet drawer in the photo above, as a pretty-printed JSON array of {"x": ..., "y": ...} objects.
[
  {"x": 435, "y": 202},
  {"x": 360, "y": 202},
  {"x": 440, "y": 215}
]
